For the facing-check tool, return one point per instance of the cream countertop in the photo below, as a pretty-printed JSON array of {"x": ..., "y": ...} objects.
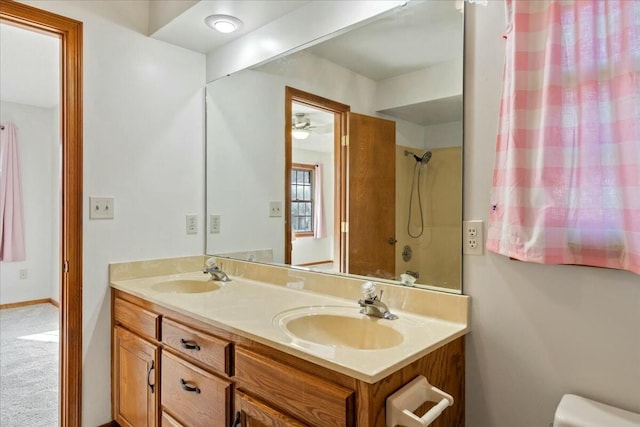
[{"x": 250, "y": 309}]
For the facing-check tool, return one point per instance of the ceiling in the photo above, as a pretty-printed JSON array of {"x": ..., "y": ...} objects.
[
  {"x": 29, "y": 67},
  {"x": 188, "y": 30},
  {"x": 418, "y": 35}
]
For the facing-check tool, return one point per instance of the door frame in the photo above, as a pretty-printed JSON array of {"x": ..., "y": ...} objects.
[
  {"x": 340, "y": 132},
  {"x": 69, "y": 31}
]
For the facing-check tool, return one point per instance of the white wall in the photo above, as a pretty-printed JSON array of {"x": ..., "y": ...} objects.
[
  {"x": 443, "y": 135},
  {"x": 439, "y": 81},
  {"x": 537, "y": 331},
  {"x": 143, "y": 144},
  {"x": 36, "y": 143}
]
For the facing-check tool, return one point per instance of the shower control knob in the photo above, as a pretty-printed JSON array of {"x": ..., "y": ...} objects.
[{"x": 392, "y": 241}]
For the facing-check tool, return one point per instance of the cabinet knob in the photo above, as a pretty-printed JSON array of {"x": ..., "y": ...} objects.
[
  {"x": 187, "y": 387},
  {"x": 188, "y": 345},
  {"x": 151, "y": 368}
]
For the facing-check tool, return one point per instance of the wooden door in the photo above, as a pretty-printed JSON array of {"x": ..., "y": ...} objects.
[
  {"x": 371, "y": 196},
  {"x": 135, "y": 379},
  {"x": 253, "y": 413}
]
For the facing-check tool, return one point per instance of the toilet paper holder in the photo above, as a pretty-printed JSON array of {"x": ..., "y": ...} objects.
[{"x": 401, "y": 404}]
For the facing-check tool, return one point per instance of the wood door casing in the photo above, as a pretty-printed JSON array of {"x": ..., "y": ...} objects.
[
  {"x": 69, "y": 31},
  {"x": 339, "y": 112},
  {"x": 371, "y": 196}
]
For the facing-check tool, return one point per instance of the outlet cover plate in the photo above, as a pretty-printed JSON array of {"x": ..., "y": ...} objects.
[
  {"x": 192, "y": 224},
  {"x": 472, "y": 237},
  {"x": 214, "y": 224}
]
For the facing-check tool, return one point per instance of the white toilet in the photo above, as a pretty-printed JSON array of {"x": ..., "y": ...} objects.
[{"x": 576, "y": 411}]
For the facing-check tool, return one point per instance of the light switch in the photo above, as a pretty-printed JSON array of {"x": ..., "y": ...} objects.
[
  {"x": 275, "y": 209},
  {"x": 101, "y": 207}
]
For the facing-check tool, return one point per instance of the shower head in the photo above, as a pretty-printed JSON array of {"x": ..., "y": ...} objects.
[{"x": 424, "y": 159}]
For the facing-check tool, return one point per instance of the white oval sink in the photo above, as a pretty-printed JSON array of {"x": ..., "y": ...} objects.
[
  {"x": 185, "y": 286},
  {"x": 339, "y": 327}
]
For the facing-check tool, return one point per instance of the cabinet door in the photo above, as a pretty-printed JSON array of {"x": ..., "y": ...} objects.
[
  {"x": 135, "y": 376},
  {"x": 253, "y": 413}
]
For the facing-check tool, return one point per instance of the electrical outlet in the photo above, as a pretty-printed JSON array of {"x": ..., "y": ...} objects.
[
  {"x": 192, "y": 224},
  {"x": 22, "y": 274},
  {"x": 275, "y": 209},
  {"x": 472, "y": 237},
  {"x": 214, "y": 224},
  {"x": 101, "y": 208}
]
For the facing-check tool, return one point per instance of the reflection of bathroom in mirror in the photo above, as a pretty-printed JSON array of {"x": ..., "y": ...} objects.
[{"x": 404, "y": 68}]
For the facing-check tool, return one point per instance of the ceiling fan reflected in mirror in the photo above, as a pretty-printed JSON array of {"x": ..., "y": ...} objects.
[{"x": 301, "y": 126}]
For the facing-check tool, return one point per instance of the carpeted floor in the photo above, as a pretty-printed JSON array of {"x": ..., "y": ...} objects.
[{"x": 29, "y": 366}]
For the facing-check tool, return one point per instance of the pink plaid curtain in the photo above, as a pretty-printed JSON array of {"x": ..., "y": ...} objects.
[{"x": 566, "y": 182}]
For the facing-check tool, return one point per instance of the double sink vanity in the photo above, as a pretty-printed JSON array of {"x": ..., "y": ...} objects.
[{"x": 273, "y": 346}]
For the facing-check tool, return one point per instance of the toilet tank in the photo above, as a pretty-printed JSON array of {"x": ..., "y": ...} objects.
[{"x": 576, "y": 411}]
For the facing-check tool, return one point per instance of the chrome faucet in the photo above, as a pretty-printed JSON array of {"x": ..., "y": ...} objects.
[
  {"x": 372, "y": 305},
  {"x": 216, "y": 273}
]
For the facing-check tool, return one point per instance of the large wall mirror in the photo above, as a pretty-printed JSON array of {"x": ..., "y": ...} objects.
[{"x": 346, "y": 157}]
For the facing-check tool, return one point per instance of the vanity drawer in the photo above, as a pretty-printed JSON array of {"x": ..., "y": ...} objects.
[
  {"x": 309, "y": 398},
  {"x": 211, "y": 351},
  {"x": 136, "y": 319},
  {"x": 168, "y": 421},
  {"x": 195, "y": 397}
]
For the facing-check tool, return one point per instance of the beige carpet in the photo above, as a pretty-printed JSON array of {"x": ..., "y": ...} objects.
[{"x": 29, "y": 366}]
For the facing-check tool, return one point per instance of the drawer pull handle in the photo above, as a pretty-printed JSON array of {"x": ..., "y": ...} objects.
[
  {"x": 236, "y": 421},
  {"x": 151, "y": 368},
  {"x": 189, "y": 346},
  {"x": 187, "y": 387}
]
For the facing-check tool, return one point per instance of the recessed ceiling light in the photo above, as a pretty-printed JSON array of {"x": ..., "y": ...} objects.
[{"x": 223, "y": 23}]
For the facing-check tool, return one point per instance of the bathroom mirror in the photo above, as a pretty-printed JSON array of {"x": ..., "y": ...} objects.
[{"x": 375, "y": 187}]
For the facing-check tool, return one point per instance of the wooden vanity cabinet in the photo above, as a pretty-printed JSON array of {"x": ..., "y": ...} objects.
[
  {"x": 248, "y": 384},
  {"x": 193, "y": 395},
  {"x": 195, "y": 375},
  {"x": 135, "y": 362},
  {"x": 307, "y": 397},
  {"x": 251, "y": 412}
]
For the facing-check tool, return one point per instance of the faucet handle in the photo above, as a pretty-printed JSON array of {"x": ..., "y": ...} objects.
[{"x": 369, "y": 290}]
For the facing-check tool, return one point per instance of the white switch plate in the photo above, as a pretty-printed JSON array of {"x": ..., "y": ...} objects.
[
  {"x": 101, "y": 208},
  {"x": 275, "y": 209},
  {"x": 472, "y": 237},
  {"x": 192, "y": 224},
  {"x": 214, "y": 224}
]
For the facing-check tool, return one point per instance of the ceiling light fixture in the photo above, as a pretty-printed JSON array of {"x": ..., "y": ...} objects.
[
  {"x": 300, "y": 133},
  {"x": 223, "y": 23}
]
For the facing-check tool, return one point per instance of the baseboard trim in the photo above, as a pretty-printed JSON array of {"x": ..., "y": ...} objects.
[
  {"x": 31, "y": 302},
  {"x": 110, "y": 424}
]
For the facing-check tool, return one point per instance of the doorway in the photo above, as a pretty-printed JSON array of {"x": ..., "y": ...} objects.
[
  {"x": 363, "y": 186},
  {"x": 301, "y": 212},
  {"x": 69, "y": 33}
]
